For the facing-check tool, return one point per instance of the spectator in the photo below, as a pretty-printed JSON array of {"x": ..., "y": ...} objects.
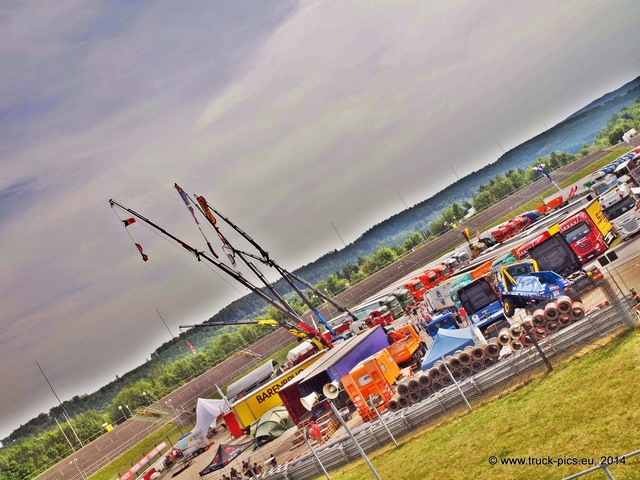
[{"x": 464, "y": 319}]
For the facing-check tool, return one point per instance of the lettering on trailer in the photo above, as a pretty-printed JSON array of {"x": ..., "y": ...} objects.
[
  {"x": 272, "y": 390},
  {"x": 575, "y": 220},
  {"x": 440, "y": 298}
]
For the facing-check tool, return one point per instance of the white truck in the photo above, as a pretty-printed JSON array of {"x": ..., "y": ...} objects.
[
  {"x": 193, "y": 444},
  {"x": 621, "y": 205},
  {"x": 438, "y": 298}
]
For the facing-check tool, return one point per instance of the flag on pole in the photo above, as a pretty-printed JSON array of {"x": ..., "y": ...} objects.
[
  {"x": 145, "y": 257},
  {"x": 191, "y": 347},
  {"x": 128, "y": 221},
  {"x": 205, "y": 208},
  {"x": 186, "y": 201},
  {"x": 540, "y": 169}
]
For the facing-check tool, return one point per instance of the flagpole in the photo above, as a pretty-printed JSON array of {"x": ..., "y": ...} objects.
[{"x": 170, "y": 333}]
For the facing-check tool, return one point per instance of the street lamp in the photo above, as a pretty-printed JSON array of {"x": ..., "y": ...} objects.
[
  {"x": 129, "y": 410},
  {"x": 331, "y": 391},
  {"x": 122, "y": 412},
  {"x": 168, "y": 402},
  {"x": 75, "y": 461},
  {"x": 146, "y": 398},
  {"x": 304, "y": 432}
]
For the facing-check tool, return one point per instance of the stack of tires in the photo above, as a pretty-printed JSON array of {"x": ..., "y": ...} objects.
[
  {"x": 461, "y": 364},
  {"x": 544, "y": 321}
]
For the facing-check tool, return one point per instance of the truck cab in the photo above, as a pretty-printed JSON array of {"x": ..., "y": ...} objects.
[
  {"x": 482, "y": 304},
  {"x": 622, "y": 209},
  {"x": 404, "y": 297},
  {"x": 587, "y": 231},
  {"x": 523, "y": 285}
]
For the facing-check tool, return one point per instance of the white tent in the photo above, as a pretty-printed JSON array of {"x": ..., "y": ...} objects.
[{"x": 207, "y": 411}]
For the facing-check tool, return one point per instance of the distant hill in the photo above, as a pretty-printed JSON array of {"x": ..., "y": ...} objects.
[{"x": 567, "y": 136}]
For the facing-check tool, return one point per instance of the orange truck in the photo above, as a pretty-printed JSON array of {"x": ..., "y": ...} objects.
[
  {"x": 370, "y": 382},
  {"x": 418, "y": 285},
  {"x": 407, "y": 348}
]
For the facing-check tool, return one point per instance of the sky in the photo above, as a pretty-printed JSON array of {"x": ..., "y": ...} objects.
[{"x": 290, "y": 118}]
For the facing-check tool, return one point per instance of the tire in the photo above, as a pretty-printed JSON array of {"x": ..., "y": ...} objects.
[{"x": 509, "y": 307}]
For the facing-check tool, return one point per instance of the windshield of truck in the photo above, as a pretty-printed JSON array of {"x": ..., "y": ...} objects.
[
  {"x": 623, "y": 206},
  {"x": 576, "y": 233}
]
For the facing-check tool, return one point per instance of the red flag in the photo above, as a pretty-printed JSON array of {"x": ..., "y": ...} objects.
[
  {"x": 191, "y": 347},
  {"x": 145, "y": 257},
  {"x": 128, "y": 221}
]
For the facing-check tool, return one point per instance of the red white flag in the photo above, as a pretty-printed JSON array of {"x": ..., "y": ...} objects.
[
  {"x": 191, "y": 347},
  {"x": 145, "y": 257}
]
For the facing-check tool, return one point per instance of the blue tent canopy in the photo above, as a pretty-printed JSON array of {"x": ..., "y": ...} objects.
[{"x": 447, "y": 342}]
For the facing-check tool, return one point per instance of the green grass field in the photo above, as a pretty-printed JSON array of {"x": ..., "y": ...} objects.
[{"x": 586, "y": 408}]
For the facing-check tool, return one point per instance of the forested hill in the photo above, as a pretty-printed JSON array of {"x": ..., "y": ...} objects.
[{"x": 568, "y": 136}]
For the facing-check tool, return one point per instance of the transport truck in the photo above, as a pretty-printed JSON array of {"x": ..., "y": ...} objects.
[
  {"x": 420, "y": 284},
  {"x": 407, "y": 347},
  {"x": 587, "y": 231},
  {"x": 404, "y": 297},
  {"x": 438, "y": 298},
  {"x": 622, "y": 208},
  {"x": 553, "y": 253},
  {"x": 523, "y": 285},
  {"x": 371, "y": 381}
]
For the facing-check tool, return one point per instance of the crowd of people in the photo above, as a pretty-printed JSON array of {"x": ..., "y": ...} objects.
[{"x": 248, "y": 470}]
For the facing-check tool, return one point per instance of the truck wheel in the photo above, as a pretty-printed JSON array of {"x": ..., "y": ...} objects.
[{"x": 509, "y": 307}]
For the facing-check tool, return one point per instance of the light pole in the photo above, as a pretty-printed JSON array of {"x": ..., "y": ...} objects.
[
  {"x": 146, "y": 398},
  {"x": 168, "y": 402},
  {"x": 129, "y": 410},
  {"x": 75, "y": 461},
  {"x": 331, "y": 391},
  {"x": 122, "y": 412},
  {"x": 304, "y": 432}
]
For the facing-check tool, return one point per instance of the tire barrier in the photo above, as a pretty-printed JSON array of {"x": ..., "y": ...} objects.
[
  {"x": 414, "y": 384},
  {"x": 564, "y": 319},
  {"x": 516, "y": 330},
  {"x": 493, "y": 349},
  {"x": 503, "y": 337},
  {"x": 403, "y": 387},
  {"x": 577, "y": 311},
  {"x": 474, "y": 359},
  {"x": 563, "y": 304},
  {"x": 538, "y": 318},
  {"x": 424, "y": 380},
  {"x": 551, "y": 311},
  {"x": 479, "y": 353}
]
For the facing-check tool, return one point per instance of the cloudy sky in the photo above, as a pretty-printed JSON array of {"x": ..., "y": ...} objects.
[{"x": 287, "y": 116}]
